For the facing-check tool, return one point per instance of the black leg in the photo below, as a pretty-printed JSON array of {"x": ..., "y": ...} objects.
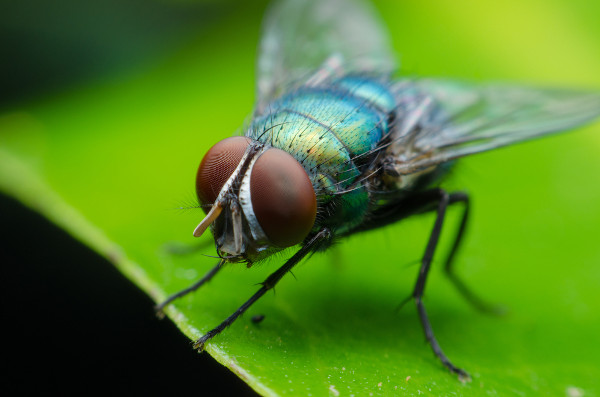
[
  {"x": 159, "y": 308},
  {"x": 268, "y": 284},
  {"x": 444, "y": 199},
  {"x": 466, "y": 292}
]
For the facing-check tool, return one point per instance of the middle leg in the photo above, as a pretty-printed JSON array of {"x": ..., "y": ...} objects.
[{"x": 443, "y": 199}]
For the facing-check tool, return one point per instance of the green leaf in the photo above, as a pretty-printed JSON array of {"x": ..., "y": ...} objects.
[{"x": 110, "y": 162}]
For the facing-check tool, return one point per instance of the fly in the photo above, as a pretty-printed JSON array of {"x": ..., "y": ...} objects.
[{"x": 336, "y": 145}]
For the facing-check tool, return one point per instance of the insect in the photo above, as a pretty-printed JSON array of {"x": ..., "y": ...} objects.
[{"x": 336, "y": 145}]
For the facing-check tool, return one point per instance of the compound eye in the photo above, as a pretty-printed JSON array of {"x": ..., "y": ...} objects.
[
  {"x": 217, "y": 166},
  {"x": 283, "y": 198}
]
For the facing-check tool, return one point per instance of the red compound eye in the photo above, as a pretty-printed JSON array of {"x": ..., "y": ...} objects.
[
  {"x": 216, "y": 168},
  {"x": 283, "y": 198}
]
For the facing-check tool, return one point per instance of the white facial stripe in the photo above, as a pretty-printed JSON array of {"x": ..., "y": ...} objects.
[{"x": 246, "y": 202}]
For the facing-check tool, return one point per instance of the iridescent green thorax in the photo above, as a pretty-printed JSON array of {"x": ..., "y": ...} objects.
[{"x": 332, "y": 131}]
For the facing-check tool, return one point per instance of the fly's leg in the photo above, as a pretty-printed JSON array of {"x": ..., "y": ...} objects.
[
  {"x": 211, "y": 273},
  {"x": 268, "y": 284},
  {"x": 465, "y": 291},
  {"x": 444, "y": 200}
]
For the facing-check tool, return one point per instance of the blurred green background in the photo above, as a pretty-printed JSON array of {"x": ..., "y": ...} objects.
[{"x": 106, "y": 108}]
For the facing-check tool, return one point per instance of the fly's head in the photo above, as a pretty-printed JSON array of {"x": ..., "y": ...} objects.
[{"x": 259, "y": 199}]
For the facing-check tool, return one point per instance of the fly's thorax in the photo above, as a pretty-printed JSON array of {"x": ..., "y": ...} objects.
[
  {"x": 261, "y": 199},
  {"x": 332, "y": 132}
]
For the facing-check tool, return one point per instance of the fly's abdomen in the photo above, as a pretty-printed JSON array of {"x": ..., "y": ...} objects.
[{"x": 332, "y": 131}]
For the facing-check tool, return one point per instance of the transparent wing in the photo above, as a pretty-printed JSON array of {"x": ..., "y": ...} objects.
[
  {"x": 445, "y": 120},
  {"x": 299, "y": 36}
]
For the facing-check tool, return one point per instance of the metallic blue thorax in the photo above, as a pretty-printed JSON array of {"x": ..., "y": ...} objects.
[{"x": 332, "y": 131}]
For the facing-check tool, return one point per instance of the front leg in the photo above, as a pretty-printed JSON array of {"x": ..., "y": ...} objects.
[
  {"x": 268, "y": 284},
  {"x": 206, "y": 278}
]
